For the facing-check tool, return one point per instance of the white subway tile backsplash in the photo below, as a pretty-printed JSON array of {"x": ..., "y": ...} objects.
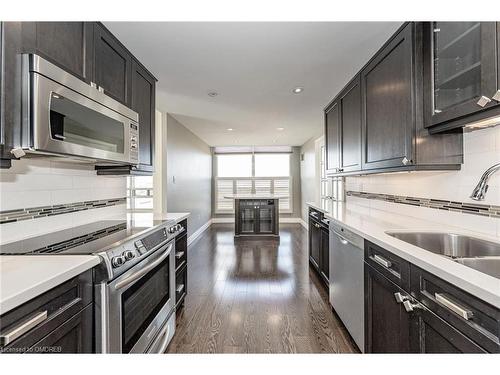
[
  {"x": 481, "y": 150},
  {"x": 37, "y": 182}
]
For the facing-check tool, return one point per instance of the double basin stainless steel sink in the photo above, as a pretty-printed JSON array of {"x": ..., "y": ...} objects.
[{"x": 472, "y": 252}]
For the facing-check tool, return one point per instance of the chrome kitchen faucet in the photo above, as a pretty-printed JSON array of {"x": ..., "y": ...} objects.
[{"x": 481, "y": 188}]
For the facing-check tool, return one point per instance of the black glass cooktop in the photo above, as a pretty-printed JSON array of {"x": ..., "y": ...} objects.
[{"x": 85, "y": 239}]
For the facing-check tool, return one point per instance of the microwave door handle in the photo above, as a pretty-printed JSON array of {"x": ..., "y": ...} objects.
[{"x": 135, "y": 276}]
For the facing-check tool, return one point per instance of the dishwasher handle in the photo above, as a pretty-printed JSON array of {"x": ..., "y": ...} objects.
[{"x": 343, "y": 240}]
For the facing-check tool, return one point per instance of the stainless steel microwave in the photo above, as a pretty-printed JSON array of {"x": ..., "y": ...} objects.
[{"x": 65, "y": 116}]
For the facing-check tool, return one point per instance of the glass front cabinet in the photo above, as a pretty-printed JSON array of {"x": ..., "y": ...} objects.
[
  {"x": 460, "y": 69},
  {"x": 256, "y": 217}
]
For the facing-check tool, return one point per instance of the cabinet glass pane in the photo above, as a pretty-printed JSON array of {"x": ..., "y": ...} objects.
[
  {"x": 247, "y": 220},
  {"x": 457, "y": 63},
  {"x": 266, "y": 220}
]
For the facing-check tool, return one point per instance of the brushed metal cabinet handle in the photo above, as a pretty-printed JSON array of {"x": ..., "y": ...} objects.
[
  {"x": 410, "y": 306},
  {"x": 381, "y": 260},
  {"x": 496, "y": 96},
  {"x": 22, "y": 328},
  {"x": 453, "y": 306},
  {"x": 400, "y": 298},
  {"x": 483, "y": 100},
  {"x": 179, "y": 255}
]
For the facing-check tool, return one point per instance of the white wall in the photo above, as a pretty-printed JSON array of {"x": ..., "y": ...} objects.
[
  {"x": 44, "y": 182},
  {"x": 309, "y": 177},
  {"x": 481, "y": 150},
  {"x": 189, "y": 174}
]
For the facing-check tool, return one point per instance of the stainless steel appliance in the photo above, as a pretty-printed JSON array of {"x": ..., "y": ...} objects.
[
  {"x": 346, "y": 280},
  {"x": 134, "y": 292},
  {"x": 65, "y": 116}
]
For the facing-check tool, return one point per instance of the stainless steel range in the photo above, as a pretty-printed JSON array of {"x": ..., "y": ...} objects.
[{"x": 134, "y": 295}]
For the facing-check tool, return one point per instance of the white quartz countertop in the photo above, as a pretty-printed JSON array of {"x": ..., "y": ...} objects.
[
  {"x": 147, "y": 218},
  {"x": 372, "y": 224},
  {"x": 254, "y": 196},
  {"x": 24, "y": 277}
]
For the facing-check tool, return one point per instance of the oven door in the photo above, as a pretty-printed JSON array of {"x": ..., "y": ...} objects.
[
  {"x": 62, "y": 121},
  {"x": 140, "y": 302}
]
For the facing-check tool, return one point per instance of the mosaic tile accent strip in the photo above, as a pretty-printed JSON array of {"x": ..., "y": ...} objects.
[
  {"x": 76, "y": 241},
  {"x": 463, "y": 207},
  {"x": 11, "y": 216}
]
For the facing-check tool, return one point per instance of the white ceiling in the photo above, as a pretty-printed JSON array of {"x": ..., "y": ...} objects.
[{"x": 253, "y": 66}]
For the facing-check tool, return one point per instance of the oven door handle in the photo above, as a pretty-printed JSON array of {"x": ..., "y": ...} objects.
[{"x": 129, "y": 280}]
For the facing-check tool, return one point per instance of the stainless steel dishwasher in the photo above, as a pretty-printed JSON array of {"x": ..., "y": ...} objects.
[{"x": 347, "y": 280}]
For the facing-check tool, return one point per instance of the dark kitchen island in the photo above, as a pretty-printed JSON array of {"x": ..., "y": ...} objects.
[{"x": 256, "y": 215}]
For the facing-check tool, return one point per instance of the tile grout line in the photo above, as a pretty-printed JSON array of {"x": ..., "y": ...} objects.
[
  {"x": 11, "y": 216},
  {"x": 484, "y": 210}
]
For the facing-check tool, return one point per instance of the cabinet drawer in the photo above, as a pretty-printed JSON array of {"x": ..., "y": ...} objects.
[
  {"x": 180, "y": 285},
  {"x": 391, "y": 266},
  {"x": 180, "y": 251},
  {"x": 476, "y": 319},
  {"x": 31, "y": 322}
]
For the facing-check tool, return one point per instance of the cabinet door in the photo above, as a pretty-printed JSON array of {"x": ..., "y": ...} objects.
[
  {"x": 314, "y": 243},
  {"x": 112, "y": 65},
  {"x": 332, "y": 138},
  {"x": 387, "y": 324},
  {"x": 388, "y": 98},
  {"x": 73, "y": 336},
  {"x": 460, "y": 67},
  {"x": 143, "y": 102},
  {"x": 265, "y": 219},
  {"x": 325, "y": 255},
  {"x": 66, "y": 44},
  {"x": 350, "y": 128},
  {"x": 430, "y": 334},
  {"x": 247, "y": 219}
]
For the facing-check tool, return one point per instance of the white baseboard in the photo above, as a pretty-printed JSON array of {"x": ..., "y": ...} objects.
[
  {"x": 295, "y": 220},
  {"x": 198, "y": 233},
  {"x": 304, "y": 224},
  {"x": 219, "y": 220}
]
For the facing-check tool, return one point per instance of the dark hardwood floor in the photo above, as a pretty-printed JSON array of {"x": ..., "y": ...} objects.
[{"x": 255, "y": 296}]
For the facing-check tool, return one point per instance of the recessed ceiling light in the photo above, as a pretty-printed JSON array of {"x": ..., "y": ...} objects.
[
  {"x": 280, "y": 129},
  {"x": 229, "y": 129},
  {"x": 297, "y": 90},
  {"x": 213, "y": 94}
]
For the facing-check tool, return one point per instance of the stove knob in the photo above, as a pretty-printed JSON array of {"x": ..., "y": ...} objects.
[
  {"x": 171, "y": 229},
  {"x": 117, "y": 261},
  {"x": 129, "y": 254},
  {"x": 178, "y": 227}
]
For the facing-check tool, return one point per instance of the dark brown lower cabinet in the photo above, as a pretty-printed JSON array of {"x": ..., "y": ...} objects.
[
  {"x": 73, "y": 336},
  {"x": 431, "y": 316},
  {"x": 181, "y": 260},
  {"x": 319, "y": 239},
  {"x": 387, "y": 324},
  {"x": 58, "y": 321},
  {"x": 431, "y": 334}
]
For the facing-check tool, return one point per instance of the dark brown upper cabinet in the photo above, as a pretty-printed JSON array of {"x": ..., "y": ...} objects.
[
  {"x": 388, "y": 105},
  {"x": 350, "y": 127},
  {"x": 112, "y": 65},
  {"x": 66, "y": 44},
  {"x": 332, "y": 138},
  {"x": 460, "y": 73},
  {"x": 143, "y": 102},
  {"x": 376, "y": 123}
]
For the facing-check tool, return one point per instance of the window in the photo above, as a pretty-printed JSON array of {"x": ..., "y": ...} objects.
[
  {"x": 272, "y": 165},
  {"x": 140, "y": 193},
  {"x": 235, "y": 165},
  {"x": 266, "y": 173}
]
